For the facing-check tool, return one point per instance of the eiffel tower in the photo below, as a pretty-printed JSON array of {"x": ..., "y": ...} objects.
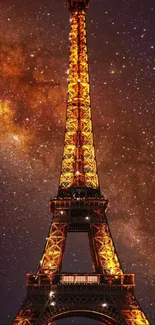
[{"x": 107, "y": 294}]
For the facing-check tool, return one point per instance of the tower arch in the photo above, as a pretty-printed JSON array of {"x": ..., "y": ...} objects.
[{"x": 102, "y": 318}]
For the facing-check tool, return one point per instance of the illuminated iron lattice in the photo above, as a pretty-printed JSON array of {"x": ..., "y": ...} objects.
[
  {"x": 105, "y": 249},
  {"x": 78, "y": 164},
  {"x": 54, "y": 248},
  {"x": 107, "y": 294}
]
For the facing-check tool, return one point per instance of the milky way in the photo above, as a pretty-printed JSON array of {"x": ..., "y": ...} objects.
[{"x": 34, "y": 51}]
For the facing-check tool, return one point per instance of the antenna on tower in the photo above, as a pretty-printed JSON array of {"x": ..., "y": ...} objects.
[{"x": 77, "y": 4}]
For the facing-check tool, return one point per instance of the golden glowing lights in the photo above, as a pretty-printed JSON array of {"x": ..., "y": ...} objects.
[
  {"x": 78, "y": 164},
  {"x": 135, "y": 316},
  {"x": 105, "y": 250},
  {"x": 52, "y": 256},
  {"x": 24, "y": 322},
  {"x": 78, "y": 168}
]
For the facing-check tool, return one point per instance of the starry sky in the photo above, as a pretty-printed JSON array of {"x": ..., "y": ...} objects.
[{"x": 34, "y": 49}]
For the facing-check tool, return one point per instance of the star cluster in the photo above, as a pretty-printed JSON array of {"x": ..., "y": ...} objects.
[{"x": 34, "y": 51}]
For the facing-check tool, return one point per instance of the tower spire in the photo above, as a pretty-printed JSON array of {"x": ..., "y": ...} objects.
[{"x": 78, "y": 163}]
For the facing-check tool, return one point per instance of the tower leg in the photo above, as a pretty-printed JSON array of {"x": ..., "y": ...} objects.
[
  {"x": 54, "y": 249},
  {"x": 105, "y": 249},
  {"x": 32, "y": 310},
  {"x": 26, "y": 315},
  {"x": 132, "y": 312},
  {"x": 34, "y": 305}
]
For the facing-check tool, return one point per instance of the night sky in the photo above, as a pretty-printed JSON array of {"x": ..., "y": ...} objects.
[{"x": 34, "y": 50}]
